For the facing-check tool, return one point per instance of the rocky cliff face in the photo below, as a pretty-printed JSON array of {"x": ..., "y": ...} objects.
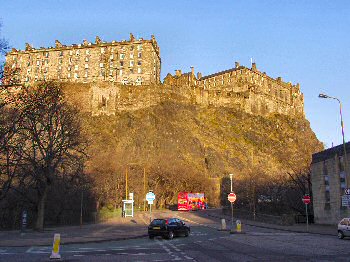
[{"x": 176, "y": 137}]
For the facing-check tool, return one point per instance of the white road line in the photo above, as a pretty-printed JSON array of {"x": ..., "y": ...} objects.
[{"x": 30, "y": 250}]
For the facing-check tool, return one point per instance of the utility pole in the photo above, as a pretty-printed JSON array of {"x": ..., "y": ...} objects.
[
  {"x": 126, "y": 183},
  {"x": 144, "y": 189}
]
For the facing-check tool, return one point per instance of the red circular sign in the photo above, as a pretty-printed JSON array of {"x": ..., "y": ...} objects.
[
  {"x": 306, "y": 200},
  {"x": 232, "y": 197}
]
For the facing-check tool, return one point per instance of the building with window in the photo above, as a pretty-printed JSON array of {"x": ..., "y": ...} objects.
[
  {"x": 328, "y": 179},
  {"x": 133, "y": 62}
]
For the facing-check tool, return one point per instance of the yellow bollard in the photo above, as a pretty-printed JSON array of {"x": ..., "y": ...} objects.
[
  {"x": 238, "y": 226},
  {"x": 55, "y": 254}
]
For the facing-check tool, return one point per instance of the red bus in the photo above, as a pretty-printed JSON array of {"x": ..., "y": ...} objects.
[{"x": 191, "y": 201}]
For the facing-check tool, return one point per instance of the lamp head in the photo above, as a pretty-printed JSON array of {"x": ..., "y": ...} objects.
[{"x": 323, "y": 96}]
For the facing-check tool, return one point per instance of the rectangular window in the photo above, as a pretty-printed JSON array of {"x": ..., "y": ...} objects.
[
  {"x": 131, "y": 63},
  {"x": 139, "y": 70},
  {"x": 86, "y": 73},
  {"x": 101, "y": 65},
  {"x": 68, "y": 75},
  {"x": 341, "y": 164},
  {"x": 139, "y": 55},
  {"x": 121, "y": 63},
  {"x": 122, "y": 56},
  {"x": 76, "y": 76},
  {"x": 77, "y": 52},
  {"x": 87, "y": 51},
  {"x": 86, "y": 59},
  {"x": 102, "y": 50},
  {"x": 139, "y": 63},
  {"x": 76, "y": 67},
  {"x": 121, "y": 72},
  {"x": 86, "y": 65},
  {"x": 131, "y": 56},
  {"x": 139, "y": 47},
  {"x": 70, "y": 52}
]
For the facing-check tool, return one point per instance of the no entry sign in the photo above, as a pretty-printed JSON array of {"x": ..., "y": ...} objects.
[
  {"x": 306, "y": 199},
  {"x": 232, "y": 197}
]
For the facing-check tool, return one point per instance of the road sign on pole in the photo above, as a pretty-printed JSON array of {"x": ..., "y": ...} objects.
[
  {"x": 347, "y": 191},
  {"x": 232, "y": 197},
  {"x": 306, "y": 199},
  {"x": 150, "y": 197}
]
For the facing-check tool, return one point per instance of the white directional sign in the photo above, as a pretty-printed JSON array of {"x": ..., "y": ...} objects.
[
  {"x": 347, "y": 191},
  {"x": 150, "y": 197},
  {"x": 345, "y": 201}
]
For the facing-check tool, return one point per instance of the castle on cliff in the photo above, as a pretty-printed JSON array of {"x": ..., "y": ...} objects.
[{"x": 125, "y": 75}]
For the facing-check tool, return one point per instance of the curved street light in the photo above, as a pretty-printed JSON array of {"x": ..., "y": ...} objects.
[{"x": 342, "y": 131}]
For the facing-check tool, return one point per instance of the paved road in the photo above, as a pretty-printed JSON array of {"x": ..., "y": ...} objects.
[{"x": 205, "y": 243}]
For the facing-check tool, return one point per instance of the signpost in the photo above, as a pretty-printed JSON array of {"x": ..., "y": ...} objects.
[
  {"x": 306, "y": 199},
  {"x": 232, "y": 198},
  {"x": 150, "y": 197}
]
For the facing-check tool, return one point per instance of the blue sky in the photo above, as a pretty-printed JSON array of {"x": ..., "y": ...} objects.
[{"x": 301, "y": 41}]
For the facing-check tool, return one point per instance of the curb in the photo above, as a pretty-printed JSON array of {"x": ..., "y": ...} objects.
[{"x": 282, "y": 229}]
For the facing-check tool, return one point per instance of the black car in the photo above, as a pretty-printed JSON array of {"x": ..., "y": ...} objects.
[{"x": 168, "y": 228}]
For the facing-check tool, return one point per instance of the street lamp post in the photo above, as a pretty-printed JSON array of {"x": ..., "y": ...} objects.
[{"x": 342, "y": 131}]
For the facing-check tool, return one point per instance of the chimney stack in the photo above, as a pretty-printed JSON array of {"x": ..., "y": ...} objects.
[
  {"x": 236, "y": 64},
  {"x": 192, "y": 70},
  {"x": 254, "y": 66}
]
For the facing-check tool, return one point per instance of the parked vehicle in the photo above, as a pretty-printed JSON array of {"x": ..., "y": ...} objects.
[
  {"x": 344, "y": 228},
  {"x": 168, "y": 228}
]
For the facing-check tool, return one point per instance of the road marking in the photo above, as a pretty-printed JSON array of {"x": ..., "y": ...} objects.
[{"x": 30, "y": 250}]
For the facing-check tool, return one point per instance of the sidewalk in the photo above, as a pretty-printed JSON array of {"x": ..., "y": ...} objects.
[
  {"x": 115, "y": 229},
  {"x": 298, "y": 228}
]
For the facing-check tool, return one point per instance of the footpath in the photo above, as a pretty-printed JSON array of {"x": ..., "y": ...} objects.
[{"x": 121, "y": 228}]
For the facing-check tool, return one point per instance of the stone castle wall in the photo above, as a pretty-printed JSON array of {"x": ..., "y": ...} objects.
[
  {"x": 134, "y": 62},
  {"x": 246, "y": 88}
]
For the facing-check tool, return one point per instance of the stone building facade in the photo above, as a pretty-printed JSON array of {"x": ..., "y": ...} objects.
[
  {"x": 107, "y": 68},
  {"x": 135, "y": 62},
  {"x": 328, "y": 179},
  {"x": 247, "y": 88}
]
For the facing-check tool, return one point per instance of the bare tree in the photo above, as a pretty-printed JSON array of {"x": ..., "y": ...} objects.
[{"x": 49, "y": 131}]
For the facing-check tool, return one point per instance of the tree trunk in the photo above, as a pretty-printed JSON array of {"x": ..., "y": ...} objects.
[{"x": 39, "y": 225}]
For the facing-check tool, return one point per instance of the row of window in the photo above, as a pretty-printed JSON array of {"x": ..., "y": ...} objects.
[{"x": 342, "y": 180}]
